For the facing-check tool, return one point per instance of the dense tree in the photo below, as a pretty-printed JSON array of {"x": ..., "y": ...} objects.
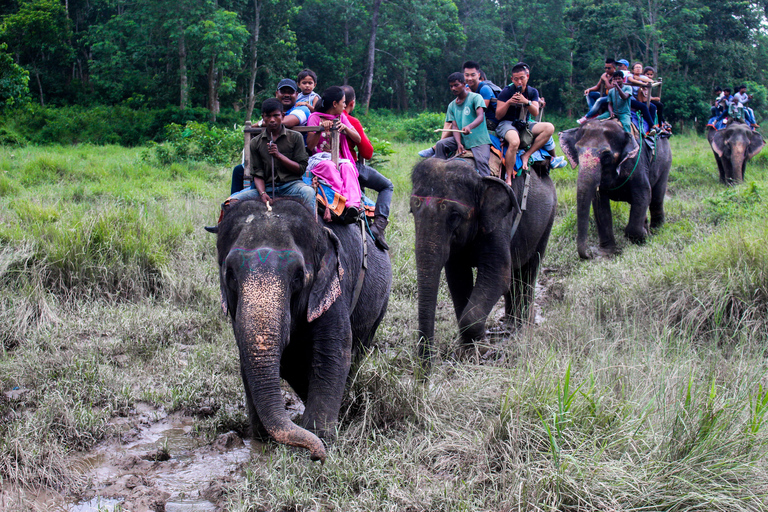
[
  {"x": 397, "y": 53},
  {"x": 13, "y": 80}
]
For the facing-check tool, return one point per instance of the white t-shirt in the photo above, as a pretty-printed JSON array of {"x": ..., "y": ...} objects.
[{"x": 742, "y": 99}]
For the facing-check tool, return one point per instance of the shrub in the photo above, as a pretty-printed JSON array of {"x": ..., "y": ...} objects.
[
  {"x": 422, "y": 127},
  {"x": 199, "y": 142}
]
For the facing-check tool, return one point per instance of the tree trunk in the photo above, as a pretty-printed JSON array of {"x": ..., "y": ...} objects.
[
  {"x": 212, "y": 89},
  {"x": 39, "y": 86},
  {"x": 368, "y": 83},
  {"x": 183, "y": 87},
  {"x": 251, "y": 98}
]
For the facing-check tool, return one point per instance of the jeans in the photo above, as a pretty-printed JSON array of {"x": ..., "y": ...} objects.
[
  {"x": 592, "y": 97},
  {"x": 482, "y": 153},
  {"x": 296, "y": 188},
  {"x": 596, "y": 106},
  {"x": 373, "y": 179},
  {"x": 660, "y": 110}
]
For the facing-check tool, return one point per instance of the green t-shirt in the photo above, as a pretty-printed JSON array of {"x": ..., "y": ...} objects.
[
  {"x": 464, "y": 114},
  {"x": 620, "y": 106}
]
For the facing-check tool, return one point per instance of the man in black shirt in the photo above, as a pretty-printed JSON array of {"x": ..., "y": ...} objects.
[{"x": 517, "y": 103}]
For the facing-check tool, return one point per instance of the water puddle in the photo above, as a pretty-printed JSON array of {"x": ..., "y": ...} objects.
[{"x": 160, "y": 465}]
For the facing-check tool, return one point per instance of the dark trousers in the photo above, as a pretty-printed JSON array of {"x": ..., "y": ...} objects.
[
  {"x": 237, "y": 179},
  {"x": 374, "y": 180},
  {"x": 648, "y": 114},
  {"x": 659, "y": 110}
]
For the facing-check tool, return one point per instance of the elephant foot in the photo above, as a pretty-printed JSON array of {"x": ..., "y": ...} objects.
[
  {"x": 637, "y": 237},
  {"x": 597, "y": 253},
  {"x": 474, "y": 352}
]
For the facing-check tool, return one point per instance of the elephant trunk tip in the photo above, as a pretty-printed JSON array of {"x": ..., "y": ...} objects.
[{"x": 301, "y": 438}]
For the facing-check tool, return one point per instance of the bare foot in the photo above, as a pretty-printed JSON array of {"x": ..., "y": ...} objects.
[{"x": 525, "y": 158}]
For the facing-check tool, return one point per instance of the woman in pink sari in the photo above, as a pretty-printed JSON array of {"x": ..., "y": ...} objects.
[{"x": 342, "y": 179}]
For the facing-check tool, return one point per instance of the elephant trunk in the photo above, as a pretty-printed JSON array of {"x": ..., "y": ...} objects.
[
  {"x": 431, "y": 255},
  {"x": 590, "y": 173},
  {"x": 738, "y": 159},
  {"x": 262, "y": 329}
]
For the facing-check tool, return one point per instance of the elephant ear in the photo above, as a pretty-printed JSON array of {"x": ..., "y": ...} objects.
[
  {"x": 568, "y": 140},
  {"x": 718, "y": 143},
  {"x": 497, "y": 199},
  {"x": 326, "y": 287},
  {"x": 630, "y": 150},
  {"x": 756, "y": 143}
]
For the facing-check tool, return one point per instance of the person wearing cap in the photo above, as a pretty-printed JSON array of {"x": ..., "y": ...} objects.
[{"x": 286, "y": 93}]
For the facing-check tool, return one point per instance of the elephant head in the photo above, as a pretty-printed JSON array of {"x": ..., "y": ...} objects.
[
  {"x": 277, "y": 268},
  {"x": 599, "y": 150},
  {"x": 734, "y": 146},
  {"x": 452, "y": 206}
]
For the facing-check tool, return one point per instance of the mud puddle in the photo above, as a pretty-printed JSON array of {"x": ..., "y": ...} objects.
[{"x": 160, "y": 465}]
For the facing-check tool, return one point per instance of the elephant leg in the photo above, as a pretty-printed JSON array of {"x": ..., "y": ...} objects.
[
  {"x": 522, "y": 290},
  {"x": 331, "y": 360},
  {"x": 601, "y": 205},
  {"x": 492, "y": 282},
  {"x": 458, "y": 275},
  {"x": 656, "y": 207},
  {"x": 258, "y": 431},
  {"x": 296, "y": 365},
  {"x": 636, "y": 230},
  {"x": 721, "y": 170},
  {"x": 509, "y": 306}
]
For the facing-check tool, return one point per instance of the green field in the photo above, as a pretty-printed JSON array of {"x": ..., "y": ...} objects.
[{"x": 641, "y": 387}]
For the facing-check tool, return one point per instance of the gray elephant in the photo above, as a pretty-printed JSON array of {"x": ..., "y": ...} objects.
[
  {"x": 613, "y": 167},
  {"x": 734, "y": 146},
  {"x": 463, "y": 222},
  {"x": 288, "y": 282}
]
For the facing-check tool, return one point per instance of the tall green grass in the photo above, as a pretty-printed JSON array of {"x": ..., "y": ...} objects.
[{"x": 642, "y": 389}]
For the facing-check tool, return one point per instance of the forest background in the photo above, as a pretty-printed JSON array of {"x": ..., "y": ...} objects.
[{"x": 209, "y": 60}]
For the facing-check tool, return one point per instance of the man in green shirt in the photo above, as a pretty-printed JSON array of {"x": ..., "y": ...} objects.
[
  {"x": 619, "y": 98},
  {"x": 280, "y": 152},
  {"x": 467, "y": 114}
]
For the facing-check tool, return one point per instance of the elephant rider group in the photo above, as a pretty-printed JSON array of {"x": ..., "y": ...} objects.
[
  {"x": 479, "y": 121},
  {"x": 638, "y": 83},
  {"x": 734, "y": 107},
  {"x": 281, "y": 165}
]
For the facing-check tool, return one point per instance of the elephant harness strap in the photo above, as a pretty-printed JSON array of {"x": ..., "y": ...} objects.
[
  {"x": 363, "y": 267},
  {"x": 523, "y": 204}
]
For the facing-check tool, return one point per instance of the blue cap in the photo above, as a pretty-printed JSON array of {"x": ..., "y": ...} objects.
[
  {"x": 623, "y": 61},
  {"x": 287, "y": 82}
]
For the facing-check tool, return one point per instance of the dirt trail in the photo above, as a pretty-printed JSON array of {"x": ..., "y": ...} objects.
[{"x": 159, "y": 465}]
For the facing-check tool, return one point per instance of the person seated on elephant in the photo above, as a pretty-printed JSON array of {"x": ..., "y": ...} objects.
[
  {"x": 594, "y": 93},
  {"x": 342, "y": 177},
  {"x": 619, "y": 100},
  {"x": 723, "y": 103},
  {"x": 278, "y": 160},
  {"x": 465, "y": 126},
  {"x": 641, "y": 88},
  {"x": 286, "y": 93},
  {"x": 516, "y": 104},
  {"x": 368, "y": 176},
  {"x": 472, "y": 80},
  {"x": 743, "y": 98},
  {"x": 650, "y": 72}
]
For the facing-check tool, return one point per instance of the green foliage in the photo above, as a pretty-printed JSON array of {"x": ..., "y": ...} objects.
[
  {"x": 422, "y": 127},
  {"x": 201, "y": 142},
  {"x": 734, "y": 203},
  {"x": 13, "y": 81},
  {"x": 683, "y": 99}
]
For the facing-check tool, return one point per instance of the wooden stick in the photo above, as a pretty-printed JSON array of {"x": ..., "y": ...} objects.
[{"x": 448, "y": 130}]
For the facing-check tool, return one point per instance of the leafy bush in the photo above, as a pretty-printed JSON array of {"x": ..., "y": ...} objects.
[
  {"x": 200, "y": 142},
  {"x": 683, "y": 100},
  {"x": 422, "y": 127}
]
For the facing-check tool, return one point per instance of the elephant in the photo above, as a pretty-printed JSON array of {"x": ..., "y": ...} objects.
[
  {"x": 734, "y": 146},
  {"x": 613, "y": 167},
  {"x": 288, "y": 284},
  {"x": 464, "y": 221}
]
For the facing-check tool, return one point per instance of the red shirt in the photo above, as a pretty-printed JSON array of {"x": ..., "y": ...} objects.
[{"x": 365, "y": 147}]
